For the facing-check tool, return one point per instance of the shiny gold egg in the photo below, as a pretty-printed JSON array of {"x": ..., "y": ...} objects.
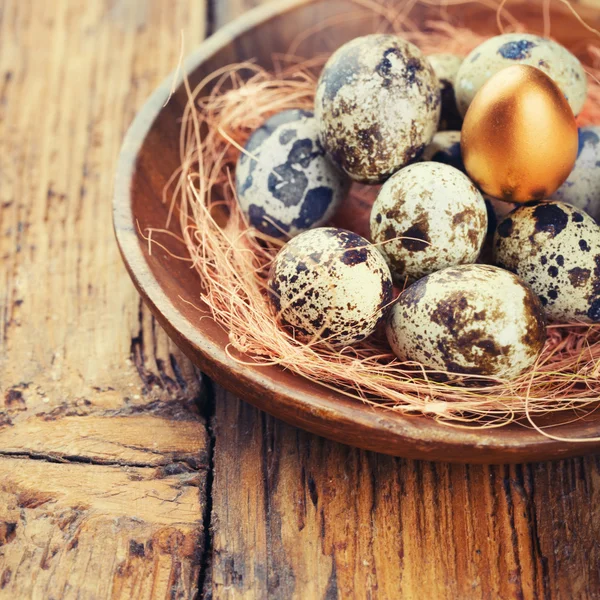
[{"x": 519, "y": 137}]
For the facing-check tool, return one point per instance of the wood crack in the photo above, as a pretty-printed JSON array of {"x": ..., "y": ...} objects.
[
  {"x": 169, "y": 468},
  {"x": 207, "y": 406}
]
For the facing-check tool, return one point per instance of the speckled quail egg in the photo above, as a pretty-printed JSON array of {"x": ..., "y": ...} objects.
[
  {"x": 446, "y": 67},
  {"x": 378, "y": 106},
  {"x": 582, "y": 187},
  {"x": 473, "y": 319},
  {"x": 445, "y": 148},
  {"x": 285, "y": 183},
  {"x": 554, "y": 247},
  {"x": 437, "y": 214},
  {"x": 331, "y": 285},
  {"x": 521, "y": 48}
]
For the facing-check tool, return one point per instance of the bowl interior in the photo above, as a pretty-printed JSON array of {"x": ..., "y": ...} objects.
[{"x": 150, "y": 157}]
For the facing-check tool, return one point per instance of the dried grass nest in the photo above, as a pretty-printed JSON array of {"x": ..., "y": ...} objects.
[{"x": 233, "y": 260}]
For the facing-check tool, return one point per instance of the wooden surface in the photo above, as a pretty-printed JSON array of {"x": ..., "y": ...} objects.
[{"x": 122, "y": 473}]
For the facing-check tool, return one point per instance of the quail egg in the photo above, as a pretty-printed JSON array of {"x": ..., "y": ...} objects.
[
  {"x": 446, "y": 67},
  {"x": 378, "y": 106},
  {"x": 521, "y": 48},
  {"x": 330, "y": 285},
  {"x": 554, "y": 247},
  {"x": 428, "y": 216},
  {"x": 285, "y": 183},
  {"x": 470, "y": 319},
  {"x": 582, "y": 187},
  {"x": 445, "y": 148}
]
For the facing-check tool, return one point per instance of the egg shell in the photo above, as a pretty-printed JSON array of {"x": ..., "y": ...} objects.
[
  {"x": 330, "y": 284},
  {"x": 470, "y": 319},
  {"x": 509, "y": 49},
  {"x": 445, "y": 148},
  {"x": 555, "y": 247},
  {"x": 378, "y": 106},
  {"x": 284, "y": 181},
  {"x": 446, "y": 66},
  {"x": 582, "y": 187},
  {"x": 519, "y": 137},
  {"x": 439, "y": 214}
]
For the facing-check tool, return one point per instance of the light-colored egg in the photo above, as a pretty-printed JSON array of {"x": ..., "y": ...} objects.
[
  {"x": 446, "y": 68},
  {"x": 582, "y": 187},
  {"x": 285, "y": 183},
  {"x": 554, "y": 247},
  {"x": 509, "y": 49},
  {"x": 437, "y": 214},
  {"x": 519, "y": 137},
  {"x": 445, "y": 148},
  {"x": 331, "y": 285},
  {"x": 473, "y": 319},
  {"x": 378, "y": 106}
]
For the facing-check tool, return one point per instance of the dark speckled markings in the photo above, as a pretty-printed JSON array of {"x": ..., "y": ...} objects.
[
  {"x": 268, "y": 127},
  {"x": 285, "y": 184},
  {"x": 472, "y": 319},
  {"x": 594, "y": 311},
  {"x": 384, "y": 68},
  {"x": 416, "y": 238},
  {"x": 330, "y": 283},
  {"x": 516, "y": 50},
  {"x": 554, "y": 247},
  {"x": 452, "y": 157},
  {"x": 357, "y": 250},
  {"x": 314, "y": 207},
  {"x": 550, "y": 218},
  {"x": 582, "y": 187},
  {"x": 377, "y": 104},
  {"x": 426, "y": 217},
  {"x": 340, "y": 71},
  {"x": 445, "y": 148},
  {"x": 258, "y": 218},
  {"x": 586, "y": 136},
  {"x": 505, "y": 228},
  {"x": 415, "y": 292},
  {"x": 578, "y": 276}
]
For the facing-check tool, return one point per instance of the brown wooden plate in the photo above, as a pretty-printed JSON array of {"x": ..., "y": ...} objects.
[{"x": 150, "y": 155}]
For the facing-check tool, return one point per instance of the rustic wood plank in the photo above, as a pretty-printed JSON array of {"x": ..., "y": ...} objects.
[
  {"x": 104, "y": 451},
  {"x": 297, "y": 516},
  {"x": 102, "y": 532}
]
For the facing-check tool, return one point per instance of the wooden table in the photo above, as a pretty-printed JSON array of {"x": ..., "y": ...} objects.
[{"x": 125, "y": 474}]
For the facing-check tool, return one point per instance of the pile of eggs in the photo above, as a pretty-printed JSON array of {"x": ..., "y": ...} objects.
[{"x": 479, "y": 160}]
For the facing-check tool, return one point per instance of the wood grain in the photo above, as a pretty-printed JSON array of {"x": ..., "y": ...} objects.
[
  {"x": 108, "y": 481},
  {"x": 316, "y": 519},
  {"x": 297, "y": 516},
  {"x": 104, "y": 451}
]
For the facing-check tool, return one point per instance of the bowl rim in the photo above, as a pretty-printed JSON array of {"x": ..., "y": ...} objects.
[{"x": 414, "y": 436}]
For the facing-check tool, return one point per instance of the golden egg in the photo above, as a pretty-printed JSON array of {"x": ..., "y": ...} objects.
[{"x": 519, "y": 137}]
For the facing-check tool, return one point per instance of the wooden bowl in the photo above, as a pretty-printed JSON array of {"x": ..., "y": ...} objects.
[{"x": 150, "y": 155}]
